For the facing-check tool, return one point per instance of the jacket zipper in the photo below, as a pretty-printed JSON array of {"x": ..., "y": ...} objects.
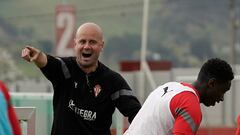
[{"x": 88, "y": 83}]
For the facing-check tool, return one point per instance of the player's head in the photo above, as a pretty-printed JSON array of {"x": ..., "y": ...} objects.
[
  {"x": 88, "y": 44},
  {"x": 214, "y": 80}
]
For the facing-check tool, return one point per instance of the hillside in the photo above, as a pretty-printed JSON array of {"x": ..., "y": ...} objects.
[{"x": 184, "y": 32}]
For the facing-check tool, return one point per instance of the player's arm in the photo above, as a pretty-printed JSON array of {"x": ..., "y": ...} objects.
[
  {"x": 49, "y": 65},
  {"x": 124, "y": 99},
  {"x": 32, "y": 54},
  {"x": 186, "y": 112}
]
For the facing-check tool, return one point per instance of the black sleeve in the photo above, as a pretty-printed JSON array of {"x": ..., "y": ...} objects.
[
  {"x": 124, "y": 99},
  {"x": 53, "y": 70}
]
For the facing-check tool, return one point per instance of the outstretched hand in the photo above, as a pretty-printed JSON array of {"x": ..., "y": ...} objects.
[{"x": 30, "y": 53}]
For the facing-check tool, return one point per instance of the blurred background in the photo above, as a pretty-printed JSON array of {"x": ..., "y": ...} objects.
[{"x": 178, "y": 35}]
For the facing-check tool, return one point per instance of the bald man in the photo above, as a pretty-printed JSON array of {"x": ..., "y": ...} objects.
[{"x": 86, "y": 92}]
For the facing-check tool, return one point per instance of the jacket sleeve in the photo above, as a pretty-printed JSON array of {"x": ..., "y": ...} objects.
[
  {"x": 53, "y": 71},
  {"x": 124, "y": 99},
  {"x": 185, "y": 108},
  {"x": 128, "y": 106}
]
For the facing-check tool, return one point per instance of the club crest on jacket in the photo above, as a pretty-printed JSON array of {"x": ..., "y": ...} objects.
[{"x": 97, "y": 89}]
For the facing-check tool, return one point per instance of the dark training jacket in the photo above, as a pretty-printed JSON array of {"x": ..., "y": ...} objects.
[{"x": 84, "y": 103}]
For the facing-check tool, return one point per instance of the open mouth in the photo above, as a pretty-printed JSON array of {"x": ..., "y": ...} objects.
[{"x": 86, "y": 55}]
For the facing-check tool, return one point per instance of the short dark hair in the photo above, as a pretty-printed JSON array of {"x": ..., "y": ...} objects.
[{"x": 216, "y": 68}]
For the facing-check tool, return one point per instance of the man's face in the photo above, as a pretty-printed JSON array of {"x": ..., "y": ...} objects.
[
  {"x": 215, "y": 92},
  {"x": 88, "y": 45}
]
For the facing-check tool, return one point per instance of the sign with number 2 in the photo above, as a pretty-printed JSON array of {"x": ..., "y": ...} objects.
[{"x": 65, "y": 29}]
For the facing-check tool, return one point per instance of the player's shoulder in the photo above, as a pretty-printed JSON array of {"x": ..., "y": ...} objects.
[
  {"x": 4, "y": 90},
  {"x": 107, "y": 71},
  {"x": 187, "y": 95},
  {"x": 185, "y": 99},
  {"x": 67, "y": 59},
  {"x": 188, "y": 101}
]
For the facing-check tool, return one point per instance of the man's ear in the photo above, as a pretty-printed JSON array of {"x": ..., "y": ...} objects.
[
  {"x": 102, "y": 45},
  {"x": 74, "y": 41},
  {"x": 212, "y": 82}
]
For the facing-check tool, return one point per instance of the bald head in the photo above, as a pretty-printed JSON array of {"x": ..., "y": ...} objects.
[
  {"x": 90, "y": 28},
  {"x": 88, "y": 46}
]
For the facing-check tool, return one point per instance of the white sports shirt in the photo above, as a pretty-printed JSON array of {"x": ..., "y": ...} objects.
[{"x": 155, "y": 116}]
